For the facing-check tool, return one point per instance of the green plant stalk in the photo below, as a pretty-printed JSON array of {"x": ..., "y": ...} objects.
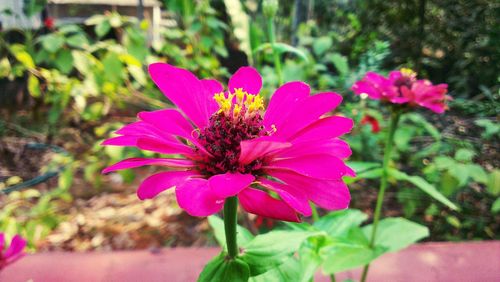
[
  {"x": 395, "y": 115},
  {"x": 272, "y": 40},
  {"x": 230, "y": 223}
]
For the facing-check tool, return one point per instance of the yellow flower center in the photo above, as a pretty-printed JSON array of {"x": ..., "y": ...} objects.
[
  {"x": 408, "y": 72},
  {"x": 245, "y": 104}
]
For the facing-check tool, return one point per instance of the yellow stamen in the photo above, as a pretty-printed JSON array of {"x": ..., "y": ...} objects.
[
  {"x": 236, "y": 110},
  {"x": 245, "y": 103},
  {"x": 408, "y": 72}
]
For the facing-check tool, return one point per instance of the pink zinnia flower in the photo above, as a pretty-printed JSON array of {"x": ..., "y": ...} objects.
[
  {"x": 13, "y": 252},
  {"x": 275, "y": 161},
  {"x": 402, "y": 87}
]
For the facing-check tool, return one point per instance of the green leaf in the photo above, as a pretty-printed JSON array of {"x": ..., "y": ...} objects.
[
  {"x": 300, "y": 269},
  {"x": 338, "y": 223},
  {"x": 102, "y": 28},
  {"x": 322, "y": 44},
  {"x": 494, "y": 182},
  {"x": 78, "y": 41},
  {"x": 282, "y": 48},
  {"x": 495, "y": 208},
  {"x": 221, "y": 269},
  {"x": 270, "y": 250},
  {"x": 394, "y": 234},
  {"x": 460, "y": 172},
  {"x": 113, "y": 68},
  {"x": 33, "y": 86},
  {"x": 477, "y": 173},
  {"x": 423, "y": 185},
  {"x": 64, "y": 61},
  {"x": 348, "y": 254},
  {"x": 52, "y": 42},
  {"x": 19, "y": 52},
  {"x": 243, "y": 236},
  {"x": 340, "y": 63},
  {"x": 464, "y": 155},
  {"x": 362, "y": 166}
]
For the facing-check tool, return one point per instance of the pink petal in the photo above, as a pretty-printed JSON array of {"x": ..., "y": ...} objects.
[
  {"x": 197, "y": 198},
  {"x": 328, "y": 194},
  {"x": 169, "y": 121},
  {"x": 361, "y": 87},
  {"x": 259, "y": 147},
  {"x": 325, "y": 128},
  {"x": 246, "y": 78},
  {"x": 211, "y": 86},
  {"x": 2, "y": 242},
  {"x": 16, "y": 247},
  {"x": 308, "y": 111},
  {"x": 184, "y": 90},
  {"x": 121, "y": 141},
  {"x": 142, "y": 128},
  {"x": 137, "y": 162},
  {"x": 335, "y": 147},
  {"x": 316, "y": 166},
  {"x": 294, "y": 197},
  {"x": 284, "y": 101},
  {"x": 260, "y": 203},
  {"x": 157, "y": 183},
  {"x": 163, "y": 147},
  {"x": 229, "y": 184}
]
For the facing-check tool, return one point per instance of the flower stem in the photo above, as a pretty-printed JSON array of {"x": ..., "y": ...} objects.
[
  {"x": 272, "y": 40},
  {"x": 395, "y": 114},
  {"x": 230, "y": 223}
]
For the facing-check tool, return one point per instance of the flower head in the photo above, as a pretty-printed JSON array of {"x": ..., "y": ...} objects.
[
  {"x": 13, "y": 252},
  {"x": 49, "y": 23},
  {"x": 274, "y": 161},
  {"x": 402, "y": 87}
]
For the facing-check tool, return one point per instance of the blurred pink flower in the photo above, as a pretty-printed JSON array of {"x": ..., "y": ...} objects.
[
  {"x": 402, "y": 87},
  {"x": 13, "y": 252},
  {"x": 228, "y": 146}
]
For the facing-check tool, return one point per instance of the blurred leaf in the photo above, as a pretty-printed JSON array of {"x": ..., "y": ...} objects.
[
  {"x": 243, "y": 236},
  {"x": 453, "y": 221},
  {"x": 102, "y": 28},
  {"x": 424, "y": 186},
  {"x": 64, "y": 61},
  {"x": 78, "y": 40},
  {"x": 52, "y": 42},
  {"x": 322, "y": 44},
  {"x": 32, "y": 7},
  {"x": 477, "y": 173},
  {"x": 339, "y": 222},
  {"x": 349, "y": 253},
  {"x": 269, "y": 250},
  {"x": 33, "y": 86},
  {"x": 494, "y": 182},
  {"x": 495, "y": 208},
  {"x": 222, "y": 269},
  {"x": 282, "y": 48},
  {"x": 22, "y": 56},
  {"x": 394, "y": 234},
  {"x": 340, "y": 63},
  {"x": 362, "y": 166},
  {"x": 464, "y": 155}
]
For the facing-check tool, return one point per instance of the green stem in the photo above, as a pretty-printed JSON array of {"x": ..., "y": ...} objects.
[
  {"x": 395, "y": 114},
  {"x": 332, "y": 278},
  {"x": 230, "y": 223},
  {"x": 272, "y": 40},
  {"x": 315, "y": 215}
]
